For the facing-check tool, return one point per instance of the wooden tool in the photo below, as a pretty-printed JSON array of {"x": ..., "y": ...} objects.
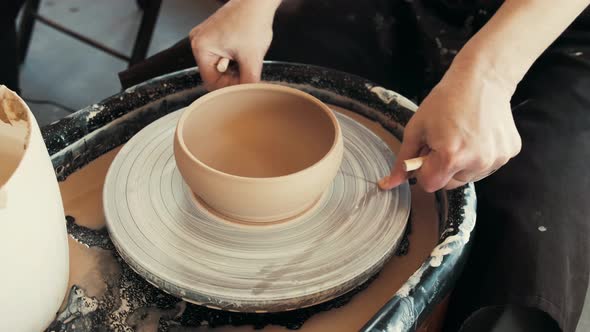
[
  {"x": 413, "y": 164},
  {"x": 222, "y": 65}
]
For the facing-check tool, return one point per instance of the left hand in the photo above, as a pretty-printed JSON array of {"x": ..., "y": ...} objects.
[
  {"x": 240, "y": 31},
  {"x": 464, "y": 128}
]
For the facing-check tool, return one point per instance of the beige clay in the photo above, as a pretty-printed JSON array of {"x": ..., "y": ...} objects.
[{"x": 258, "y": 152}]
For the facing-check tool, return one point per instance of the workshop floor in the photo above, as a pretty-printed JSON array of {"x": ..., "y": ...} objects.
[{"x": 62, "y": 70}]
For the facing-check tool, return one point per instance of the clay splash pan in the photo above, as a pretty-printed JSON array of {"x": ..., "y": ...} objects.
[{"x": 185, "y": 247}]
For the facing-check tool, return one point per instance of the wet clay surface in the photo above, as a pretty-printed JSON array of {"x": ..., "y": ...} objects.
[{"x": 105, "y": 294}]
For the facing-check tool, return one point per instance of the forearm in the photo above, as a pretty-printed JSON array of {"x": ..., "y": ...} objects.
[
  {"x": 262, "y": 7},
  {"x": 508, "y": 45}
]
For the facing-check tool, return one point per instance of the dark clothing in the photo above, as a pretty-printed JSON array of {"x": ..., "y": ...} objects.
[
  {"x": 9, "y": 62},
  {"x": 533, "y": 231},
  {"x": 509, "y": 318},
  {"x": 531, "y": 246}
]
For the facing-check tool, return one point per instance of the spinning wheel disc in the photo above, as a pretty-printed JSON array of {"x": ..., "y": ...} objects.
[{"x": 182, "y": 247}]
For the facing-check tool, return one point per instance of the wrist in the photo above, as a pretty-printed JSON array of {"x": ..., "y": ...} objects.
[
  {"x": 265, "y": 6},
  {"x": 492, "y": 64}
]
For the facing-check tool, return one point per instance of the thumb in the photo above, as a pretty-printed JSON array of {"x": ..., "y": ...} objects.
[
  {"x": 250, "y": 68},
  {"x": 411, "y": 147}
]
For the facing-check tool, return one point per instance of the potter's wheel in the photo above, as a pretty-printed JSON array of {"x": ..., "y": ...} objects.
[{"x": 180, "y": 246}]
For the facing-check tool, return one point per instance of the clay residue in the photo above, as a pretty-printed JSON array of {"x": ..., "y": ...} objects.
[
  {"x": 388, "y": 96},
  {"x": 13, "y": 112},
  {"x": 91, "y": 268},
  {"x": 82, "y": 199},
  {"x": 11, "y": 107}
]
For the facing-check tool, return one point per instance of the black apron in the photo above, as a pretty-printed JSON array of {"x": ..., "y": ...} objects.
[{"x": 531, "y": 246}]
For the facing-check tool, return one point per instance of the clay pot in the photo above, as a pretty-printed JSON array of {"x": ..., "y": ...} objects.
[
  {"x": 258, "y": 152},
  {"x": 33, "y": 240}
]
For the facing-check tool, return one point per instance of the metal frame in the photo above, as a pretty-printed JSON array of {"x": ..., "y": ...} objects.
[{"x": 151, "y": 9}]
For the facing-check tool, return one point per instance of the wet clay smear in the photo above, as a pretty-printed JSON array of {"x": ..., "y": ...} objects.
[
  {"x": 131, "y": 303},
  {"x": 195, "y": 315}
]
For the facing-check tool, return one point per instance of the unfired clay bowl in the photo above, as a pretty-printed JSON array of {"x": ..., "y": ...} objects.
[{"x": 258, "y": 152}]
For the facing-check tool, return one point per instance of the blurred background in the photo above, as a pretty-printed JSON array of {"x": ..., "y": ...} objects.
[{"x": 64, "y": 71}]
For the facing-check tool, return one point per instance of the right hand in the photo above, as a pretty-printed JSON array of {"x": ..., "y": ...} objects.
[
  {"x": 464, "y": 128},
  {"x": 240, "y": 31}
]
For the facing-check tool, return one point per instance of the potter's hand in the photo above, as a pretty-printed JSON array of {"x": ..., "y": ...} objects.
[
  {"x": 240, "y": 31},
  {"x": 466, "y": 123},
  {"x": 464, "y": 128}
]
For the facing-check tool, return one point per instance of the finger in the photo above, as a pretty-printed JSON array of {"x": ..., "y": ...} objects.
[
  {"x": 250, "y": 68},
  {"x": 412, "y": 144},
  {"x": 480, "y": 173},
  {"x": 465, "y": 176},
  {"x": 438, "y": 169}
]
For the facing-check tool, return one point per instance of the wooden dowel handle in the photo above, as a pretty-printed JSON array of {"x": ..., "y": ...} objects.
[
  {"x": 222, "y": 65},
  {"x": 413, "y": 164}
]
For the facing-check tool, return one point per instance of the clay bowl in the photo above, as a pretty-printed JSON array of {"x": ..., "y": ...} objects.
[{"x": 258, "y": 152}]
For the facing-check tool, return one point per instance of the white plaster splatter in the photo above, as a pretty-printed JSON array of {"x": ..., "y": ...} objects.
[
  {"x": 78, "y": 305},
  {"x": 90, "y": 305},
  {"x": 542, "y": 228},
  {"x": 404, "y": 291},
  {"x": 578, "y": 53},
  {"x": 78, "y": 241},
  {"x": 438, "y": 42},
  {"x": 387, "y": 96},
  {"x": 448, "y": 230},
  {"x": 457, "y": 241},
  {"x": 120, "y": 315},
  {"x": 407, "y": 317},
  {"x": 442, "y": 250},
  {"x": 94, "y": 110}
]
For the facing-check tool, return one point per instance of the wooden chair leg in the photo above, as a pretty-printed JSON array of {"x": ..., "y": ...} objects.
[
  {"x": 27, "y": 24},
  {"x": 151, "y": 11}
]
